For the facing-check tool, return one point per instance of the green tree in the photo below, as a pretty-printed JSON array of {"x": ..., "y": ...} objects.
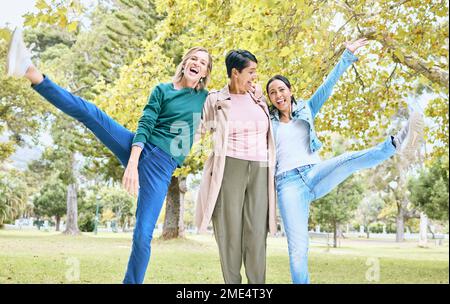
[
  {"x": 111, "y": 199},
  {"x": 368, "y": 210},
  {"x": 60, "y": 160},
  {"x": 118, "y": 201},
  {"x": 338, "y": 206},
  {"x": 51, "y": 200},
  {"x": 390, "y": 178},
  {"x": 20, "y": 108},
  {"x": 13, "y": 195},
  {"x": 429, "y": 190},
  {"x": 409, "y": 47}
]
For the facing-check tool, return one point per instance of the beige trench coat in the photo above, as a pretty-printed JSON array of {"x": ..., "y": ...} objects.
[{"x": 215, "y": 119}]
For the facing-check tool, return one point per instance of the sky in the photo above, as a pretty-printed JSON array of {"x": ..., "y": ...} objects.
[{"x": 11, "y": 12}]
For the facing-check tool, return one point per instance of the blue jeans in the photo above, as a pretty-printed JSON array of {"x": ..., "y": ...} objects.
[
  {"x": 155, "y": 169},
  {"x": 297, "y": 188}
]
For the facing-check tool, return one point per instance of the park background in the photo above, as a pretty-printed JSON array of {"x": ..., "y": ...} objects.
[{"x": 63, "y": 215}]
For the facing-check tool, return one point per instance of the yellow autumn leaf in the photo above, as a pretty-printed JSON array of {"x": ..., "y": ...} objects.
[
  {"x": 62, "y": 21},
  {"x": 42, "y": 5},
  {"x": 399, "y": 55},
  {"x": 5, "y": 34},
  {"x": 284, "y": 51},
  {"x": 72, "y": 26}
]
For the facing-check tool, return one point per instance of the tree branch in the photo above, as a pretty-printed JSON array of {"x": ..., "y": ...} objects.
[
  {"x": 358, "y": 76},
  {"x": 410, "y": 59},
  {"x": 388, "y": 81},
  {"x": 76, "y": 91}
]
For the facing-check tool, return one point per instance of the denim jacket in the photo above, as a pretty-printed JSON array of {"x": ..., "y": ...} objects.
[{"x": 307, "y": 110}]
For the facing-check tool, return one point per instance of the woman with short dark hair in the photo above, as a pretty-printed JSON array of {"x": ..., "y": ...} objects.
[{"x": 237, "y": 187}]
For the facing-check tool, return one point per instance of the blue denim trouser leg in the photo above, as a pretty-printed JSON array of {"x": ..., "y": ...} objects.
[
  {"x": 297, "y": 188},
  {"x": 293, "y": 200},
  {"x": 155, "y": 168},
  {"x": 114, "y": 136},
  {"x": 155, "y": 173}
]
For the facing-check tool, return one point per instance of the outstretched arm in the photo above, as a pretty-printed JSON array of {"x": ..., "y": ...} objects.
[
  {"x": 324, "y": 91},
  {"x": 130, "y": 180}
]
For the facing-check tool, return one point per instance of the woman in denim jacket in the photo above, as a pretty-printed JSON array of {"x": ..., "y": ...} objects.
[{"x": 301, "y": 176}]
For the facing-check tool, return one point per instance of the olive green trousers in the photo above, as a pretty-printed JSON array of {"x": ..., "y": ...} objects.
[{"x": 240, "y": 220}]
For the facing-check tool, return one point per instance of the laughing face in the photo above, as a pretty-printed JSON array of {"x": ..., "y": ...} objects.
[
  {"x": 245, "y": 79},
  {"x": 280, "y": 95},
  {"x": 196, "y": 66}
]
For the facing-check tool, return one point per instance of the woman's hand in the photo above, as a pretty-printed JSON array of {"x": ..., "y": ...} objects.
[
  {"x": 130, "y": 180},
  {"x": 256, "y": 90},
  {"x": 353, "y": 46}
]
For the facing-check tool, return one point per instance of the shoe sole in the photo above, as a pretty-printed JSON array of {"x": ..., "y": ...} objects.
[
  {"x": 12, "y": 49},
  {"x": 415, "y": 130}
]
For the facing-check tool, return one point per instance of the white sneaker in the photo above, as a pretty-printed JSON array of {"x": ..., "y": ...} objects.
[
  {"x": 408, "y": 139},
  {"x": 19, "y": 57}
]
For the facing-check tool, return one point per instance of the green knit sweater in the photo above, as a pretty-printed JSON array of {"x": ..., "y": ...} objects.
[{"x": 170, "y": 119}]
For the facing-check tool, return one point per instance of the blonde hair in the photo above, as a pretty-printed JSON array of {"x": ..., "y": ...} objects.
[{"x": 179, "y": 73}]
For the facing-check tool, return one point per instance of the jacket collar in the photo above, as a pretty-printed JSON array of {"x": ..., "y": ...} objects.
[
  {"x": 224, "y": 93},
  {"x": 295, "y": 106}
]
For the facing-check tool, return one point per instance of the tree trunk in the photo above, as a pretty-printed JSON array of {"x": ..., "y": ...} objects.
[
  {"x": 335, "y": 235},
  {"x": 402, "y": 201},
  {"x": 183, "y": 189},
  {"x": 58, "y": 221},
  {"x": 431, "y": 231},
  {"x": 172, "y": 218},
  {"x": 72, "y": 211},
  {"x": 128, "y": 223},
  {"x": 423, "y": 234},
  {"x": 400, "y": 235}
]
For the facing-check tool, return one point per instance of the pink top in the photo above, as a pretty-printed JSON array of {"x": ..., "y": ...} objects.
[{"x": 248, "y": 128}]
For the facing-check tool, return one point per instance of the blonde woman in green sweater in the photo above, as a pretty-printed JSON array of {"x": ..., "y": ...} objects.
[{"x": 161, "y": 143}]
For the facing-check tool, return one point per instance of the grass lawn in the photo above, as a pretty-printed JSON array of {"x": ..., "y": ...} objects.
[{"x": 50, "y": 257}]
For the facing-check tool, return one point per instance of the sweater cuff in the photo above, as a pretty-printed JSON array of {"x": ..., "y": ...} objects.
[
  {"x": 139, "y": 138},
  {"x": 43, "y": 84}
]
